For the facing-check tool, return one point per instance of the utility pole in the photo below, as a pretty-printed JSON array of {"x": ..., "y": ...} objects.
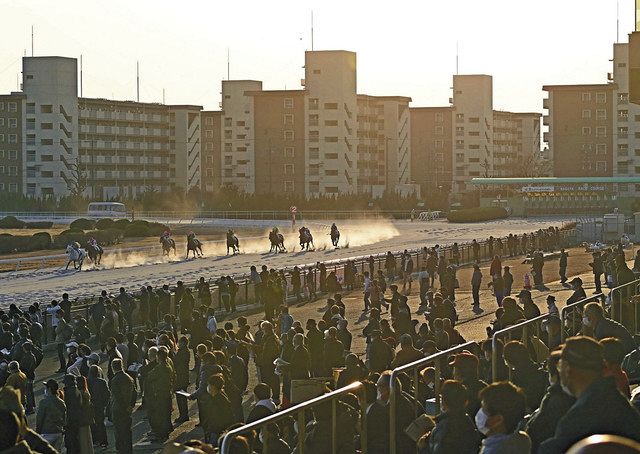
[
  {"x": 312, "y": 30},
  {"x": 81, "y": 75},
  {"x": 32, "y": 40},
  {"x": 137, "y": 81},
  {"x": 228, "y": 66}
]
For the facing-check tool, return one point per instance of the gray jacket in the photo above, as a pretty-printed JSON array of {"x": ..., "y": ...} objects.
[{"x": 51, "y": 416}]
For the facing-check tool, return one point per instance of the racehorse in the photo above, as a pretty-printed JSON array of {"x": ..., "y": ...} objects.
[
  {"x": 94, "y": 251},
  {"x": 335, "y": 235},
  {"x": 194, "y": 244},
  {"x": 277, "y": 241},
  {"x": 306, "y": 238},
  {"x": 76, "y": 255},
  {"x": 167, "y": 244},
  {"x": 232, "y": 242}
]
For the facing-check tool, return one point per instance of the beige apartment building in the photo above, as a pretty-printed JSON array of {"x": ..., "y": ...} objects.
[
  {"x": 12, "y": 161},
  {"x": 580, "y": 122},
  {"x": 516, "y": 140},
  {"x": 211, "y": 148}
]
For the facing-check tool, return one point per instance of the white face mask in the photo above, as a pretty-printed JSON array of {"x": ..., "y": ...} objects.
[
  {"x": 431, "y": 385},
  {"x": 379, "y": 396},
  {"x": 585, "y": 321},
  {"x": 69, "y": 350},
  {"x": 261, "y": 437},
  {"x": 566, "y": 389},
  {"x": 295, "y": 426},
  {"x": 481, "y": 421}
]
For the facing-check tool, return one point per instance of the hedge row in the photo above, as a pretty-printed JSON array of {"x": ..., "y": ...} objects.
[
  {"x": 139, "y": 228},
  {"x": 11, "y": 222},
  {"x": 35, "y": 242},
  {"x": 103, "y": 237},
  {"x": 477, "y": 214}
]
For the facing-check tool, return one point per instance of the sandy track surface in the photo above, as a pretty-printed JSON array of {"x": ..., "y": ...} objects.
[{"x": 135, "y": 269}]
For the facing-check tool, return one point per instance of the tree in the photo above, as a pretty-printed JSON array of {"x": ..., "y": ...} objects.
[
  {"x": 532, "y": 166},
  {"x": 77, "y": 182}
]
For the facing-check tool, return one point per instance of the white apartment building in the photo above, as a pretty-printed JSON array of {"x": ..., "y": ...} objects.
[
  {"x": 472, "y": 128},
  {"x": 238, "y": 151}
]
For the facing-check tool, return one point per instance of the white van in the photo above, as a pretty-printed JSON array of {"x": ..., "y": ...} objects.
[{"x": 106, "y": 210}]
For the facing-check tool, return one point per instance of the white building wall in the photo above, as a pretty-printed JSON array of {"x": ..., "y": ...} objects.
[
  {"x": 238, "y": 151},
  {"x": 187, "y": 147},
  {"x": 50, "y": 84}
]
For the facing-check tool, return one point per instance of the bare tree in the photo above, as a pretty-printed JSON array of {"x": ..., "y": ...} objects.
[
  {"x": 77, "y": 182},
  {"x": 533, "y": 165}
]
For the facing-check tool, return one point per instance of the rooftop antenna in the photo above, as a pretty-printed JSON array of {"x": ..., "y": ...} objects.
[
  {"x": 137, "y": 81},
  {"x": 32, "y": 40},
  {"x": 81, "y": 75},
  {"x": 163, "y": 96},
  {"x": 618, "y": 21},
  {"x": 312, "y": 30},
  {"x": 18, "y": 82},
  {"x": 228, "y": 66},
  {"x": 457, "y": 58}
]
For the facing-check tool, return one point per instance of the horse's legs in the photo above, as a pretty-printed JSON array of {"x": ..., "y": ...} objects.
[{"x": 68, "y": 263}]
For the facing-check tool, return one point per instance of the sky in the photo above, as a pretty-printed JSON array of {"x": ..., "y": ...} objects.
[{"x": 404, "y": 48}]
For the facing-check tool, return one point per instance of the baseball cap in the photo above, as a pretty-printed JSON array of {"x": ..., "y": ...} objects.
[
  {"x": 51, "y": 384},
  {"x": 576, "y": 280},
  {"x": 583, "y": 352},
  {"x": 72, "y": 344},
  {"x": 464, "y": 359}
]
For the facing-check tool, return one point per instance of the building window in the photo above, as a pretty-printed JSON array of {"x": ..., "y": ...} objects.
[
  {"x": 474, "y": 133},
  {"x": 439, "y": 144},
  {"x": 586, "y": 113},
  {"x": 13, "y": 171},
  {"x": 239, "y": 123},
  {"x": 331, "y": 172},
  {"x": 228, "y": 134},
  {"x": 601, "y": 131},
  {"x": 208, "y": 121},
  {"x": 331, "y": 156},
  {"x": 227, "y": 122},
  {"x": 288, "y": 119},
  {"x": 288, "y": 186},
  {"x": 288, "y": 135},
  {"x": 439, "y": 130},
  {"x": 459, "y": 118},
  {"x": 601, "y": 114},
  {"x": 288, "y": 169},
  {"x": 586, "y": 131},
  {"x": 209, "y": 146},
  {"x": 601, "y": 166},
  {"x": 12, "y": 107},
  {"x": 1, "y": 106},
  {"x": 474, "y": 120},
  {"x": 331, "y": 139},
  {"x": 601, "y": 98},
  {"x": 438, "y": 117},
  {"x": 13, "y": 187},
  {"x": 46, "y": 108},
  {"x": 314, "y": 103},
  {"x": 331, "y": 106},
  {"x": 289, "y": 152},
  {"x": 13, "y": 138},
  {"x": 586, "y": 97},
  {"x": 13, "y": 122},
  {"x": 314, "y": 136},
  {"x": 13, "y": 155},
  {"x": 314, "y": 153},
  {"x": 288, "y": 103},
  {"x": 601, "y": 148},
  {"x": 623, "y": 115},
  {"x": 331, "y": 122}
]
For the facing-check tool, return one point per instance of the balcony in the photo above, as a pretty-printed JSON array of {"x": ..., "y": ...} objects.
[
  {"x": 545, "y": 120},
  {"x": 545, "y": 103}
]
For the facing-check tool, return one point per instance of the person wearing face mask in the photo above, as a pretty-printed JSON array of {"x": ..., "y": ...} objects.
[
  {"x": 603, "y": 327},
  {"x": 404, "y": 410},
  {"x": 503, "y": 407},
  {"x": 465, "y": 369},
  {"x": 555, "y": 404},
  {"x": 551, "y": 329},
  {"x": 377, "y": 421},
  {"x": 526, "y": 374},
  {"x": 216, "y": 410},
  {"x": 454, "y": 431},
  {"x": 599, "y": 408}
]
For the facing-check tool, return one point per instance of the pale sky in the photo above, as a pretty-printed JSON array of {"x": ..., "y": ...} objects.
[{"x": 404, "y": 47}]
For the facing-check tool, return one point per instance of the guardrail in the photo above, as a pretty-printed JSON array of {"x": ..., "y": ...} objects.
[
  {"x": 415, "y": 366},
  {"x": 571, "y": 307},
  {"x": 534, "y": 322},
  {"x": 621, "y": 297},
  {"x": 246, "y": 294},
  {"x": 299, "y": 412}
]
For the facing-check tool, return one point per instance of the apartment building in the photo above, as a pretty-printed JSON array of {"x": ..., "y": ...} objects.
[
  {"x": 12, "y": 161},
  {"x": 117, "y": 148},
  {"x": 280, "y": 161},
  {"x": 383, "y": 144},
  {"x": 211, "y": 149},
  {"x": 432, "y": 148},
  {"x": 238, "y": 153},
  {"x": 580, "y": 121},
  {"x": 516, "y": 141}
]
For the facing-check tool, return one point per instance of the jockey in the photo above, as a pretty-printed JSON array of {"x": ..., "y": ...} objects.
[
  {"x": 93, "y": 242},
  {"x": 230, "y": 232},
  {"x": 334, "y": 227},
  {"x": 165, "y": 234},
  {"x": 191, "y": 235},
  {"x": 75, "y": 245}
]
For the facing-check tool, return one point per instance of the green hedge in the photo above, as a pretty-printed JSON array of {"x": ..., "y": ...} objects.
[
  {"x": 105, "y": 237},
  {"x": 19, "y": 243},
  {"x": 105, "y": 224},
  {"x": 477, "y": 214},
  {"x": 121, "y": 224},
  {"x": 82, "y": 224},
  {"x": 39, "y": 225},
  {"x": 11, "y": 222}
]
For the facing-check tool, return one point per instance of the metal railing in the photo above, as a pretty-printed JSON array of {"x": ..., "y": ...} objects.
[
  {"x": 621, "y": 297},
  {"x": 299, "y": 412},
  {"x": 571, "y": 307},
  {"x": 524, "y": 326},
  {"x": 415, "y": 367}
]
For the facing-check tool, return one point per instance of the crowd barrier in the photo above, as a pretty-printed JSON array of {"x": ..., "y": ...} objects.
[
  {"x": 570, "y": 309},
  {"x": 299, "y": 412},
  {"x": 623, "y": 306},
  {"x": 415, "y": 367},
  {"x": 246, "y": 294}
]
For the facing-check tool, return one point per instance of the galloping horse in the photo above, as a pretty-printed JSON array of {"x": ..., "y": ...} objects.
[
  {"x": 76, "y": 255},
  {"x": 232, "y": 242},
  {"x": 194, "y": 244},
  {"x": 94, "y": 251},
  {"x": 335, "y": 235},
  {"x": 306, "y": 238},
  {"x": 167, "y": 244},
  {"x": 277, "y": 241}
]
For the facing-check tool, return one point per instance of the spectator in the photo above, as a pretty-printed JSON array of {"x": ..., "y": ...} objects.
[
  {"x": 465, "y": 370},
  {"x": 526, "y": 374},
  {"x": 507, "y": 277},
  {"x": 217, "y": 410},
  {"x": 613, "y": 352},
  {"x": 555, "y": 404},
  {"x": 377, "y": 421},
  {"x": 503, "y": 406},
  {"x": 121, "y": 390},
  {"x": 404, "y": 410},
  {"x": 407, "y": 354},
  {"x": 599, "y": 408},
  {"x": 454, "y": 431},
  {"x": 17, "y": 380},
  {"x": 51, "y": 417},
  {"x": 476, "y": 281},
  {"x": 602, "y": 327},
  {"x": 99, "y": 391}
]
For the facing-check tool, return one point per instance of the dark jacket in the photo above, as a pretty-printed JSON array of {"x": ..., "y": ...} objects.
[
  {"x": 239, "y": 372},
  {"x": 73, "y": 402},
  {"x": 300, "y": 363},
  {"x": 258, "y": 412},
  {"x": 181, "y": 364},
  {"x": 51, "y": 416},
  {"x": 533, "y": 381},
  {"x": 121, "y": 388},
  {"x": 454, "y": 432},
  {"x": 601, "y": 409},
  {"x": 217, "y": 414},
  {"x": 610, "y": 328},
  {"x": 99, "y": 391},
  {"x": 542, "y": 424},
  {"x": 378, "y": 429}
]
